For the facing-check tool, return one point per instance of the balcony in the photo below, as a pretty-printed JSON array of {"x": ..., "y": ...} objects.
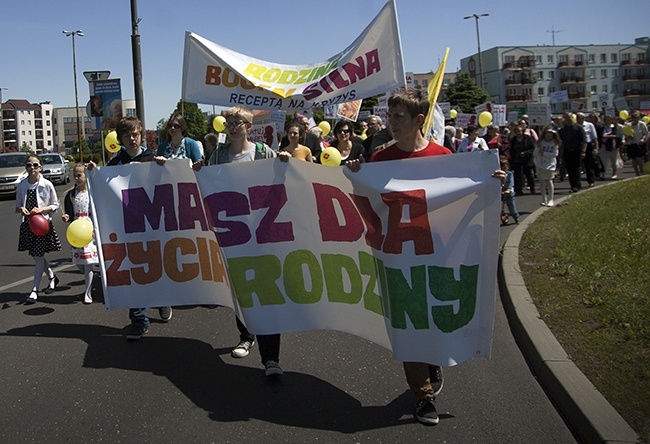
[
  {"x": 625, "y": 62},
  {"x": 518, "y": 98},
  {"x": 577, "y": 95},
  {"x": 640, "y": 62}
]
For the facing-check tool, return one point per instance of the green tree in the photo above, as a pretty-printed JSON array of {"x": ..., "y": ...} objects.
[
  {"x": 25, "y": 148},
  {"x": 197, "y": 125},
  {"x": 464, "y": 94}
]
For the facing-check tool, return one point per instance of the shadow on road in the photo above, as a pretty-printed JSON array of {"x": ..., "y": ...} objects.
[{"x": 228, "y": 392}]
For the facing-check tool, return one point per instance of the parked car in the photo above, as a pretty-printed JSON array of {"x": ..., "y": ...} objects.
[
  {"x": 12, "y": 171},
  {"x": 55, "y": 168}
]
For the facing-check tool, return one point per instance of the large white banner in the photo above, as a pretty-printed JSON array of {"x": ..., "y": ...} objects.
[
  {"x": 401, "y": 253},
  {"x": 372, "y": 64}
]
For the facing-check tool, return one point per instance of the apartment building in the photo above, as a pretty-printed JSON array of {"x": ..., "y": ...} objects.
[
  {"x": 25, "y": 123},
  {"x": 593, "y": 75}
]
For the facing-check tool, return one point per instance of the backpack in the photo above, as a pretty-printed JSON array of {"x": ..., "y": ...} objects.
[{"x": 222, "y": 152}]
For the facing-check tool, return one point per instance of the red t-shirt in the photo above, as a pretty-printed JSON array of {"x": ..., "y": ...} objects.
[{"x": 391, "y": 152}]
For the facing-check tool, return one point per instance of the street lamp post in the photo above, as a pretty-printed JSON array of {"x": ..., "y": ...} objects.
[
  {"x": 2, "y": 126},
  {"x": 79, "y": 33},
  {"x": 478, "y": 39}
]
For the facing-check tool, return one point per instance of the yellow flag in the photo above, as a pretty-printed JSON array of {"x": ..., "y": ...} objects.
[{"x": 434, "y": 90}]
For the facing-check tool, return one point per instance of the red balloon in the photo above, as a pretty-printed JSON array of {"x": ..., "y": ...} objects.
[{"x": 39, "y": 225}]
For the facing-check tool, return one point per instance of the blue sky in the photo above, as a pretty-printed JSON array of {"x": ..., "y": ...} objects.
[{"x": 36, "y": 62}]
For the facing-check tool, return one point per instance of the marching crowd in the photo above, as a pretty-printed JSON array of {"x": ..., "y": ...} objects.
[{"x": 565, "y": 147}]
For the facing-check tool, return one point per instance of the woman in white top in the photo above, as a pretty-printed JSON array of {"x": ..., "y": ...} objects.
[
  {"x": 472, "y": 142},
  {"x": 546, "y": 153}
]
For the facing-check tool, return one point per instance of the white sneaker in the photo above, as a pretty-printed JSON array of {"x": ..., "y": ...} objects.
[
  {"x": 550, "y": 203},
  {"x": 88, "y": 299},
  {"x": 242, "y": 349}
]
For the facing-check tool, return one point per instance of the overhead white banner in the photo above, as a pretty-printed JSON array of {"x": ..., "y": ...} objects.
[
  {"x": 213, "y": 74},
  {"x": 401, "y": 253}
]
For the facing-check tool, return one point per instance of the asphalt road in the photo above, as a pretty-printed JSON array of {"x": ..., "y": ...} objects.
[{"x": 68, "y": 375}]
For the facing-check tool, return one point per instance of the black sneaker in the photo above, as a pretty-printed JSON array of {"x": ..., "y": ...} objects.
[
  {"x": 425, "y": 412},
  {"x": 135, "y": 332},
  {"x": 165, "y": 313},
  {"x": 435, "y": 377},
  {"x": 273, "y": 369}
]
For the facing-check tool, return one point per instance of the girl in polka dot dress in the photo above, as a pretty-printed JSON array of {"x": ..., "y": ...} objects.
[{"x": 36, "y": 195}]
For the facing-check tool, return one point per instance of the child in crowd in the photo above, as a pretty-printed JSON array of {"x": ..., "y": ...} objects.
[
  {"x": 239, "y": 121},
  {"x": 76, "y": 205},
  {"x": 508, "y": 190},
  {"x": 546, "y": 152},
  {"x": 36, "y": 195}
]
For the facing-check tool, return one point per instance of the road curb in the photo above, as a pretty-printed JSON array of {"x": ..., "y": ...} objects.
[{"x": 588, "y": 413}]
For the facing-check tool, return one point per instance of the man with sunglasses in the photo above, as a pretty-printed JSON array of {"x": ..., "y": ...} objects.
[{"x": 239, "y": 121}]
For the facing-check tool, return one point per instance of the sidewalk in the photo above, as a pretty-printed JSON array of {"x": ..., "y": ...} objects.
[{"x": 586, "y": 411}]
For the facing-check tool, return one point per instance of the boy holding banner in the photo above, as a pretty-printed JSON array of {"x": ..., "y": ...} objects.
[
  {"x": 239, "y": 121},
  {"x": 407, "y": 112}
]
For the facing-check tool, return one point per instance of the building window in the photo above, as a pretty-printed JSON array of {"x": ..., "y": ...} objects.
[
  {"x": 592, "y": 73},
  {"x": 603, "y": 88},
  {"x": 509, "y": 59},
  {"x": 640, "y": 56},
  {"x": 538, "y": 59},
  {"x": 549, "y": 59},
  {"x": 130, "y": 112},
  {"x": 592, "y": 58},
  {"x": 613, "y": 57},
  {"x": 551, "y": 74},
  {"x": 49, "y": 133},
  {"x": 425, "y": 83},
  {"x": 603, "y": 73},
  {"x": 563, "y": 58},
  {"x": 594, "y": 89},
  {"x": 47, "y": 113},
  {"x": 603, "y": 58},
  {"x": 626, "y": 57},
  {"x": 47, "y": 123},
  {"x": 540, "y": 91},
  {"x": 614, "y": 88},
  {"x": 22, "y": 122},
  {"x": 578, "y": 59},
  {"x": 615, "y": 72},
  {"x": 551, "y": 89},
  {"x": 540, "y": 75},
  {"x": 594, "y": 104}
]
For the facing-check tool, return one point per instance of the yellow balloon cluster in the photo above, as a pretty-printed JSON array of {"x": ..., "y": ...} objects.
[
  {"x": 111, "y": 143},
  {"x": 80, "y": 233},
  {"x": 330, "y": 156},
  {"x": 485, "y": 118},
  {"x": 453, "y": 113},
  {"x": 325, "y": 127},
  {"x": 219, "y": 123},
  {"x": 624, "y": 115}
]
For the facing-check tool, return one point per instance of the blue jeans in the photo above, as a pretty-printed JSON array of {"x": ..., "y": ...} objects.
[
  {"x": 139, "y": 317},
  {"x": 510, "y": 202}
]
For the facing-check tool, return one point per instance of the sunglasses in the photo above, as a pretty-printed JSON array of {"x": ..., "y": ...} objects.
[
  {"x": 236, "y": 124},
  {"x": 174, "y": 126},
  {"x": 32, "y": 164},
  {"x": 344, "y": 131}
]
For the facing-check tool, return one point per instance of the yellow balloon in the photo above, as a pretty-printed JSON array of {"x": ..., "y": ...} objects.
[
  {"x": 574, "y": 118},
  {"x": 219, "y": 123},
  {"x": 80, "y": 233},
  {"x": 485, "y": 118},
  {"x": 624, "y": 115},
  {"x": 453, "y": 113},
  {"x": 111, "y": 143},
  {"x": 325, "y": 127},
  {"x": 628, "y": 130},
  {"x": 646, "y": 120},
  {"x": 330, "y": 156}
]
